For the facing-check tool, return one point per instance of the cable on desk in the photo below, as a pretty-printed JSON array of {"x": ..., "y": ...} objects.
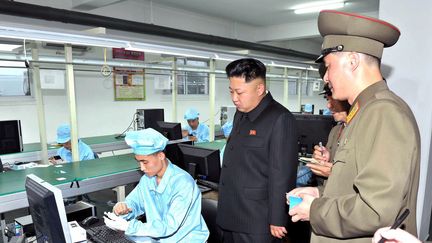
[{"x": 121, "y": 135}]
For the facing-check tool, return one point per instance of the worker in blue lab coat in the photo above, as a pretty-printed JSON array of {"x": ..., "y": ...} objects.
[
  {"x": 65, "y": 152},
  {"x": 166, "y": 194},
  {"x": 197, "y": 132}
]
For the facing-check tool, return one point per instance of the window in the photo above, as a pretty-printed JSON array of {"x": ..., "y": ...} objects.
[
  {"x": 192, "y": 83},
  {"x": 14, "y": 82}
]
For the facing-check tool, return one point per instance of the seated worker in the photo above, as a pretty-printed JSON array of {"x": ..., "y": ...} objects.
[
  {"x": 226, "y": 129},
  {"x": 167, "y": 195},
  {"x": 196, "y": 131},
  {"x": 64, "y": 139}
]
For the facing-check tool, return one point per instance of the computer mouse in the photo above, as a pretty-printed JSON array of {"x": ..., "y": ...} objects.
[{"x": 89, "y": 221}]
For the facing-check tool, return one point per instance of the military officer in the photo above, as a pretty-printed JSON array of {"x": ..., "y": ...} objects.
[{"x": 376, "y": 165}]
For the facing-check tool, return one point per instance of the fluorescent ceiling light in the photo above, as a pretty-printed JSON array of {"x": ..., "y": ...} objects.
[
  {"x": 318, "y": 6},
  {"x": 8, "y": 47},
  {"x": 14, "y": 64},
  {"x": 151, "y": 48},
  {"x": 62, "y": 38}
]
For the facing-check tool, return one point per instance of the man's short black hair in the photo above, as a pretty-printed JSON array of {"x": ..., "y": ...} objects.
[{"x": 247, "y": 68}]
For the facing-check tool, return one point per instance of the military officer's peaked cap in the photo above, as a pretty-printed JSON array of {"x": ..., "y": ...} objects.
[{"x": 352, "y": 32}]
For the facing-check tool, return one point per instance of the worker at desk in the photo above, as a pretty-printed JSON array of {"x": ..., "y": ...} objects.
[
  {"x": 65, "y": 152},
  {"x": 197, "y": 132},
  {"x": 167, "y": 195}
]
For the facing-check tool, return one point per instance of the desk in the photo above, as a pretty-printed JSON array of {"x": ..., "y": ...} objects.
[
  {"x": 32, "y": 151},
  {"x": 216, "y": 144},
  {"x": 92, "y": 175}
]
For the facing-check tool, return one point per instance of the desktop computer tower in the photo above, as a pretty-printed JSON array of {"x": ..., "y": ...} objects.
[
  {"x": 147, "y": 118},
  {"x": 10, "y": 137}
]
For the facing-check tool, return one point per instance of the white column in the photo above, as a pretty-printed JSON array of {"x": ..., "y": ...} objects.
[
  {"x": 39, "y": 104},
  {"x": 212, "y": 98},
  {"x": 174, "y": 90},
  {"x": 71, "y": 100}
]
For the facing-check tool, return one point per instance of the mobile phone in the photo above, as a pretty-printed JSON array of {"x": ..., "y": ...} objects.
[
  {"x": 294, "y": 201},
  {"x": 57, "y": 157}
]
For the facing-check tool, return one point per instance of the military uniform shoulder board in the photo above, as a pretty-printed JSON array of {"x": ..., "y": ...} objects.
[{"x": 353, "y": 112}]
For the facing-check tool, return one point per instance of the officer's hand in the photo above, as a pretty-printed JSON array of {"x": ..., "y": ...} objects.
[
  {"x": 321, "y": 154},
  {"x": 303, "y": 190},
  {"x": 323, "y": 169},
  {"x": 394, "y": 235},
  {"x": 121, "y": 208},
  {"x": 302, "y": 211},
  {"x": 278, "y": 231},
  {"x": 192, "y": 138}
]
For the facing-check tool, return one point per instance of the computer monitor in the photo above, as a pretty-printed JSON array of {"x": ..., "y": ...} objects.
[
  {"x": 47, "y": 211},
  {"x": 10, "y": 137},
  {"x": 147, "y": 118},
  {"x": 312, "y": 129},
  {"x": 201, "y": 163},
  {"x": 173, "y": 153},
  {"x": 170, "y": 130}
]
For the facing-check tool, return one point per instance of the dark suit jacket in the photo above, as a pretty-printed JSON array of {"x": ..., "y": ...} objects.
[{"x": 259, "y": 167}]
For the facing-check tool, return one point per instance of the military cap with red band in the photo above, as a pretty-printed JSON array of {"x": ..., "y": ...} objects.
[{"x": 352, "y": 32}]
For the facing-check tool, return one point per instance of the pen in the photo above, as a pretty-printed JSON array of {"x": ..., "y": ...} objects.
[
  {"x": 397, "y": 223},
  {"x": 321, "y": 147}
]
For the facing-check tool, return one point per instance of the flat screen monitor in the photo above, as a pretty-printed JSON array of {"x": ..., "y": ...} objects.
[
  {"x": 170, "y": 130},
  {"x": 173, "y": 153},
  {"x": 312, "y": 129},
  {"x": 148, "y": 118},
  {"x": 47, "y": 211},
  {"x": 10, "y": 137},
  {"x": 201, "y": 163}
]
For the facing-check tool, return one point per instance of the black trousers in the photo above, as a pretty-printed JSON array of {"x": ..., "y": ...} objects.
[{"x": 237, "y": 237}]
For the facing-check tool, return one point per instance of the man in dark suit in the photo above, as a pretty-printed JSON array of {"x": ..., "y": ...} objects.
[{"x": 260, "y": 160}]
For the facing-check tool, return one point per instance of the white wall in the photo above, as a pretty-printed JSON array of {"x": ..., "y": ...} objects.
[
  {"x": 98, "y": 113},
  {"x": 410, "y": 78}
]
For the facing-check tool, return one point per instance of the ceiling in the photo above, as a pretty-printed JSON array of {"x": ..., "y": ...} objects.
[{"x": 261, "y": 12}]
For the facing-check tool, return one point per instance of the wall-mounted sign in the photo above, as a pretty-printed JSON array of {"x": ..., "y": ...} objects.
[
  {"x": 122, "y": 53},
  {"x": 129, "y": 84}
]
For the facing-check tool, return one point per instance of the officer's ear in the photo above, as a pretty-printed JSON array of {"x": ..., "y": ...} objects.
[{"x": 353, "y": 60}]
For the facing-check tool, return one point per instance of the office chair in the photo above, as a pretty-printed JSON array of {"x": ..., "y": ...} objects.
[{"x": 208, "y": 211}]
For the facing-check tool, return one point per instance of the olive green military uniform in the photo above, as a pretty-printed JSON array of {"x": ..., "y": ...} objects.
[{"x": 375, "y": 171}]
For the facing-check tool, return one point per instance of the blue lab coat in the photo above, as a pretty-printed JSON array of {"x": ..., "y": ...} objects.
[
  {"x": 175, "y": 201},
  {"x": 202, "y": 133},
  {"x": 85, "y": 152}
]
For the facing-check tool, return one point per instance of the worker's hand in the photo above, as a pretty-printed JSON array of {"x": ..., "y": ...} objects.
[
  {"x": 192, "y": 138},
  {"x": 121, "y": 208},
  {"x": 321, "y": 154},
  {"x": 278, "y": 231},
  {"x": 185, "y": 133},
  {"x": 394, "y": 235},
  {"x": 323, "y": 169},
  {"x": 115, "y": 222}
]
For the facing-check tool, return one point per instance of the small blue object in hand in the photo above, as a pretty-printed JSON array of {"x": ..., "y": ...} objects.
[{"x": 294, "y": 201}]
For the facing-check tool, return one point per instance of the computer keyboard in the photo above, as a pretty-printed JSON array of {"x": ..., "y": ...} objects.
[
  {"x": 212, "y": 185},
  {"x": 204, "y": 189},
  {"x": 104, "y": 234}
]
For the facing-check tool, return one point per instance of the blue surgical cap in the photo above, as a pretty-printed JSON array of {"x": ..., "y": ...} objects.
[
  {"x": 308, "y": 107},
  {"x": 226, "y": 128},
  {"x": 63, "y": 133},
  {"x": 145, "y": 142},
  {"x": 191, "y": 114},
  {"x": 327, "y": 111}
]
